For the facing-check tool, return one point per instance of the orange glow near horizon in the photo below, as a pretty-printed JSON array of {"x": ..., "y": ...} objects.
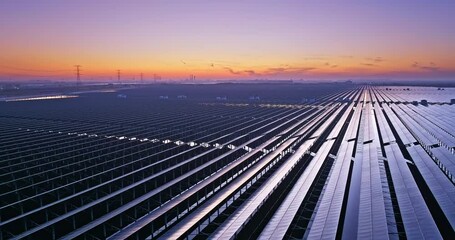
[
  {"x": 96, "y": 67},
  {"x": 324, "y": 68}
]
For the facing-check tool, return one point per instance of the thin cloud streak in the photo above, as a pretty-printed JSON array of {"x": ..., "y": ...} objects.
[
  {"x": 376, "y": 59},
  {"x": 248, "y": 72},
  {"x": 431, "y": 67}
]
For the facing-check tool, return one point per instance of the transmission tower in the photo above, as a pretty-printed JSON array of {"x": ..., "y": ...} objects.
[
  {"x": 78, "y": 75},
  {"x": 118, "y": 76},
  {"x": 142, "y": 78}
]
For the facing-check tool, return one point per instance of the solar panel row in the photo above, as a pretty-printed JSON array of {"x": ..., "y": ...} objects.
[{"x": 362, "y": 162}]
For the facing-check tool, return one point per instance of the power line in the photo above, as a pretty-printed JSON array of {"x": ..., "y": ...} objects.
[
  {"x": 37, "y": 75},
  {"x": 31, "y": 70}
]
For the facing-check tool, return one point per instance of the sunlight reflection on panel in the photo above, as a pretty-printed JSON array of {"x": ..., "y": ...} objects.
[{"x": 41, "y": 98}]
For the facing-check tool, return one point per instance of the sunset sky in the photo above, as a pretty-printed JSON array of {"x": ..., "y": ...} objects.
[{"x": 249, "y": 39}]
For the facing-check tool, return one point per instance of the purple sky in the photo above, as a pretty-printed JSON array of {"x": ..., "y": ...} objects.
[{"x": 229, "y": 39}]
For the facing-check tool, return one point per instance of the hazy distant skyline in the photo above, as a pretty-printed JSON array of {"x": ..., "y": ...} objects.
[{"x": 261, "y": 39}]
